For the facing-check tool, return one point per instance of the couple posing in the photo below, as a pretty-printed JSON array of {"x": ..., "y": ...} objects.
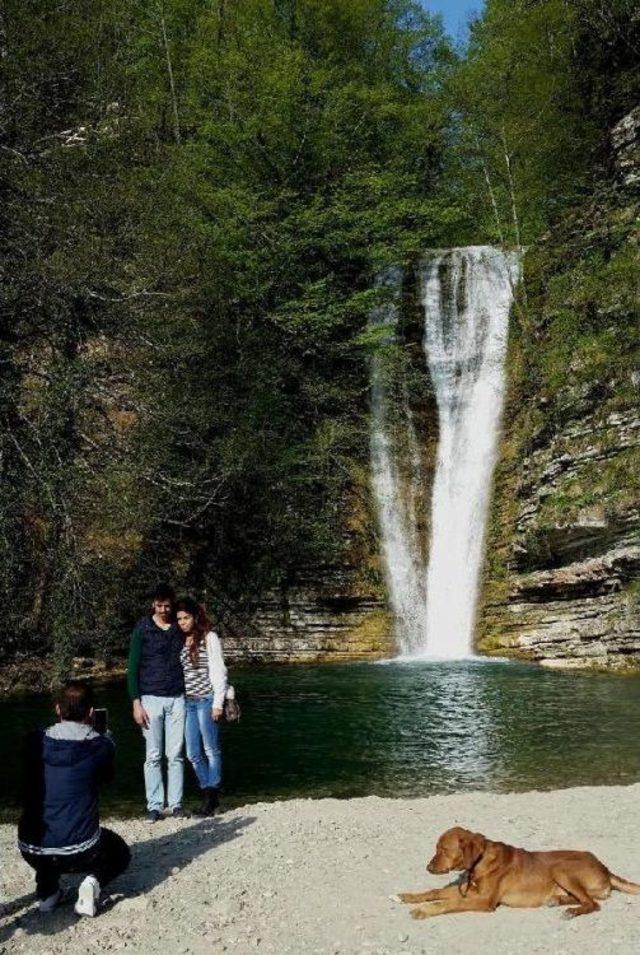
[{"x": 177, "y": 682}]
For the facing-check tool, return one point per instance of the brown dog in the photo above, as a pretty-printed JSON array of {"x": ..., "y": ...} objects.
[{"x": 498, "y": 874}]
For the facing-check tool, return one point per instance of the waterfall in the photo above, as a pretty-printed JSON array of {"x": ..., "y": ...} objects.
[
  {"x": 396, "y": 474},
  {"x": 466, "y": 294}
]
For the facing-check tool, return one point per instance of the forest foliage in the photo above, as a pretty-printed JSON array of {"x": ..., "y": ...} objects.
[{"x": 197, "y": 197}]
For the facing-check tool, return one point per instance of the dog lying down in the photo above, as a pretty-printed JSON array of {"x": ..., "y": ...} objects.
[{"x": 498, "y": 874}]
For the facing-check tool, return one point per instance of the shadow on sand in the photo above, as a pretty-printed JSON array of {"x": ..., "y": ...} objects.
[{"x": 152, "y": 861}]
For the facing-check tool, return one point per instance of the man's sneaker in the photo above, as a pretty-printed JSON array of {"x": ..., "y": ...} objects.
[
  {"x": 49, "y": 904},
  {"x": 179, "y": 813},
  {"x": 154, "y": 815},
  {"x": 88, "y": 895}
]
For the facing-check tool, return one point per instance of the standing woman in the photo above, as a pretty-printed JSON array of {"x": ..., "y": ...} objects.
[{"x": 205, "y": 681}]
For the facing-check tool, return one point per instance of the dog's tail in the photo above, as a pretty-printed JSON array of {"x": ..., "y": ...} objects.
[{"x": 623, "y": 885}]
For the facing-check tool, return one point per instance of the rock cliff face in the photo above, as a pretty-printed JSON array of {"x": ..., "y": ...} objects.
[
  {"x": 320, "y": 617},
  {"x": 562, "y": 581},
  {"x": 626, "y": 145}
]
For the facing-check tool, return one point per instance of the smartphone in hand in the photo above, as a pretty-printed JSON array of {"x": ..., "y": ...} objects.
[{"x": 101, "y": 720}]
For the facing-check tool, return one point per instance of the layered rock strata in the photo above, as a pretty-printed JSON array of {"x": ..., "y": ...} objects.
[
  {"x": 562, "y": 581},
  {"x": 581, "y": 613},
  {"x": 320, "y": 617}
]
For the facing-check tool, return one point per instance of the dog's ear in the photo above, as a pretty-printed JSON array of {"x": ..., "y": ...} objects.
[{"x": 472, "y": 849}]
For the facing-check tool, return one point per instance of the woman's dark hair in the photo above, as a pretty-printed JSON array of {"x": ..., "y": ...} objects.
[
  {"x": 201, "y": 623},
  {"x": 75, "y": 700}
]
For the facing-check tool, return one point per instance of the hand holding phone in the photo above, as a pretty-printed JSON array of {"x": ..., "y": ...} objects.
[{"x": 101, "y": 720}]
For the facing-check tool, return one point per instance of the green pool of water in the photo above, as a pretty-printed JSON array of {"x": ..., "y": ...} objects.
[{"x": 394, "y": 729}]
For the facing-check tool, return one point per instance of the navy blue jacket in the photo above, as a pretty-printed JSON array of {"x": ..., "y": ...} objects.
[
  {"x": 64, "y": 767},
  {"x": 154, "y": 661}
]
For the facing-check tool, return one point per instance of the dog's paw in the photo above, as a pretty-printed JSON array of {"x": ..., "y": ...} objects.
[
  {"x": 396, "y": 898},
  {"x": 418, "y": 914},
  {"x": 569, "y": 914}
]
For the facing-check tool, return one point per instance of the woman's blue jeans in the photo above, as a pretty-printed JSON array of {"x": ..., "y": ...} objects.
[{"x": 202, "y": 739}]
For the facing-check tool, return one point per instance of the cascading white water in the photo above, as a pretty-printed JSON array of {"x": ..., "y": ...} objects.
[
  {"x": 467, "y": 294},
  {"x": 397, "y": 492}
]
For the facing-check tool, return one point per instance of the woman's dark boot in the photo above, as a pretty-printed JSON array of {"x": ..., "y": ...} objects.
[
  {"x": 214, "y": 799},
  {"x": 209, "y": 802}
]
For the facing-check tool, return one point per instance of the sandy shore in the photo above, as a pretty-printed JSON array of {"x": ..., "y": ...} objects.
[{"x": 315, "y": 877}]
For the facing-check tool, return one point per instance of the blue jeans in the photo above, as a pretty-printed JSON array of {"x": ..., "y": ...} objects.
[
  {"x": 164, "y": 735},
  {"x": 202, "y": 738}
]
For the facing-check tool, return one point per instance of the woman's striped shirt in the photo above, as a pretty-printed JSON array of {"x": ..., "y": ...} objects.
[
  {"x": 197, "y": 680},
  {"x": 208, "y": 674}
]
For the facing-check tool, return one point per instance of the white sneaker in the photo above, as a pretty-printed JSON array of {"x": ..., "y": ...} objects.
[
  {"x": 49, "y": 904},
  {"x": 88, "y": 895}
]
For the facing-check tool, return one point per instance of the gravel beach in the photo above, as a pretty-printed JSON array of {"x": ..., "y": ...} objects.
[{"x": 315, "y": 876}]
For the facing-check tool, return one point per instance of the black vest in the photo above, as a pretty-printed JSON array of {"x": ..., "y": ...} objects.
[{"x": 160, "y": 671}]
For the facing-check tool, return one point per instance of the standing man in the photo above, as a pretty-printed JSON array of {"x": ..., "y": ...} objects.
[
  {"x": 156, "y": 687},
  {"x": 59, "y": 830}
]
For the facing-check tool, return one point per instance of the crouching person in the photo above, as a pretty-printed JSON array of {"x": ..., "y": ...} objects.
[{"x": 59, "y": 830}]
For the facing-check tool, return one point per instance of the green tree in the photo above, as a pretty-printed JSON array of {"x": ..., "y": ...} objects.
[
  {"x": 198, "y": 197},
  {"x": 534, "y": 98}
]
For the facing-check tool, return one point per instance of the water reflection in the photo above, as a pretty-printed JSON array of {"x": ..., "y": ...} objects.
[{"x": 456, "y": 747}]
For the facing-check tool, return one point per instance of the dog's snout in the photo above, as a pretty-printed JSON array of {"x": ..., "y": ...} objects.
[{"x": 438, "y": 865}]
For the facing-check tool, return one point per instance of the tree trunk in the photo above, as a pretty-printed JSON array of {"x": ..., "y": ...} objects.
[{"x": 172, "y": 85}]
